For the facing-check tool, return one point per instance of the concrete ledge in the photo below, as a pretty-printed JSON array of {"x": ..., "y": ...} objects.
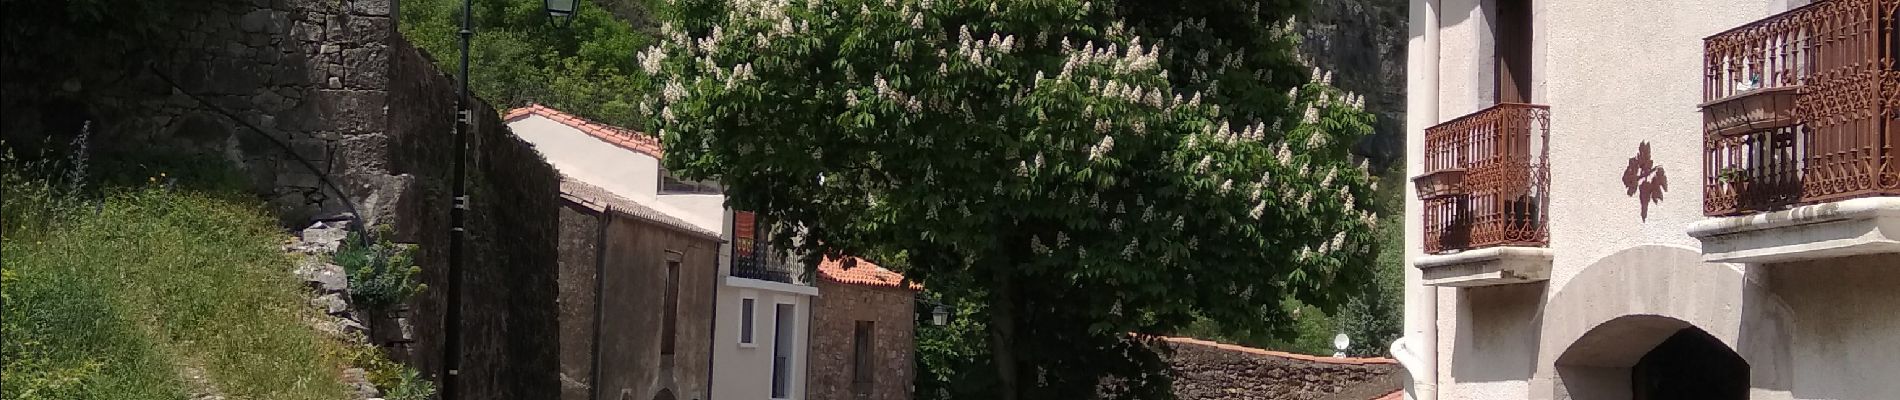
[
  {"x": 1822, "y": 231},
  {"x": 1486, "y": 267},
  {"x": 781, "y": 287}
]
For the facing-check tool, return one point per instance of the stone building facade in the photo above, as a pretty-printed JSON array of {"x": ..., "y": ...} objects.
[
  {"x": 863, "y": 339},
  {"x": 636, "y": 300},
  {"x": 1652, "y": 200}
]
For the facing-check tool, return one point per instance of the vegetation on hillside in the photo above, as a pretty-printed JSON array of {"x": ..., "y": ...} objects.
[
  {"x": 519, "y": 56},
  {"x": 157, "y": 290},
  {"x": 1083, "y": 169}
]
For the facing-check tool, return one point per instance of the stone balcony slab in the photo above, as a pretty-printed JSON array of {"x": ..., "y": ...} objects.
[
  {"x": 1822, "y": 231},
  {"x": 1486, "y": 267}
]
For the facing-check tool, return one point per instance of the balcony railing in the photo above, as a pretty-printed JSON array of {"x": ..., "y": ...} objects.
[
  {"x": 1487, "y": 180},
  {"x": 1800, "y": 108},
  {"x": 754, "y": 259}
]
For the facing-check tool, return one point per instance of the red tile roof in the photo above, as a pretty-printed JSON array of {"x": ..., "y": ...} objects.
[
  {"x": 865, "y": 274},
  {"x": 1282, "y": 354},
  {"x": 625, "y": 138},
  {"x": 1396, "y": 395}
]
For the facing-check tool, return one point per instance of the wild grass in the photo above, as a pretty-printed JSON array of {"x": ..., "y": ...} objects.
[{"x": 115, "y": 293}]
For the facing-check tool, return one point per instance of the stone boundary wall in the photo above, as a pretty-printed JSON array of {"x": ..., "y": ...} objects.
[{"x": 316, "y": 102}]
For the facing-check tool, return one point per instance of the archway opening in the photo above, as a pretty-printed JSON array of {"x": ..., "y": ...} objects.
[
  {"x": 1689, "y": 365},
  {"x": 1650, "y": 357}
]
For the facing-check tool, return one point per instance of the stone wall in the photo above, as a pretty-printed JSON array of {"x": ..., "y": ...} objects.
[
  {"x": 330, "y": 115},
  {"x": 509, "y": 309},
  {"x": 628, "y": 260},
  {"x": 289, "y": 91},
  {"x": 835, "y": 316},
  {"x": 1208, "y": 370}
]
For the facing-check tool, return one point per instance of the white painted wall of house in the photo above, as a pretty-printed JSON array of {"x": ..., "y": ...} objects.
[{"x": 1616, "y": 74}]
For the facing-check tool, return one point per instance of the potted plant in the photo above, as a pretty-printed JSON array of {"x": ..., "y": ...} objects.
[{"x": 1735, "y": 178}]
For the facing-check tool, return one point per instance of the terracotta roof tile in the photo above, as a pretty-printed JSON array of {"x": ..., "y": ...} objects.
[
  {"x": 864, "y": 273},
  {"x": 624, "y": 138},
  {"x": 1395, "y": 395}
]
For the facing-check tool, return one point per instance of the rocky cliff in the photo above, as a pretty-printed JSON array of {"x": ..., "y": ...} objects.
[{"x": 1364, "y": 41}]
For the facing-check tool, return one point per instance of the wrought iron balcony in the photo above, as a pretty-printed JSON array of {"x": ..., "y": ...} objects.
[
  {"x": 754, "y": 259},
  {"x": 1487, "y": 180},
  {"x": 1799, "y": 109}
]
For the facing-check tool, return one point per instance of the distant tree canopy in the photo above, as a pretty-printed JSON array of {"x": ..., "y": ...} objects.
[
  {"x": 1084, "y": 169},
  {"x": 519, "y": 56}
]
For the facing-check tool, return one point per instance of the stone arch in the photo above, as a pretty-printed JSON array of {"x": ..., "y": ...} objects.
[{"x": 1606, "y": 317}]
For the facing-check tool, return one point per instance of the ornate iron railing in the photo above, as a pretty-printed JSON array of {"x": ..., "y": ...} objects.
[
  {"x": 1487, "y": 180},
  {"x": 1800, "y": 108},
  {"x": 754, "y": 259}
]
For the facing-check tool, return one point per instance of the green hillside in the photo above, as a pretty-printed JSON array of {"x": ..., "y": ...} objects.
[{"x": 149, "y": 292}]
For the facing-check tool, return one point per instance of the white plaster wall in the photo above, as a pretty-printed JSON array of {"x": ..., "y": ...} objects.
[
  {"x": 705, "y": 210},
  {"x": 1847, "y": 332},
  {"x": 1616, "y": 74},
  {"x": 630, "y": 174},
  {"x": 745, "y": 372}
]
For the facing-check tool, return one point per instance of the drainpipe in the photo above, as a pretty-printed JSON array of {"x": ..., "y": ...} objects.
[{"x": 1417, "y": 351}]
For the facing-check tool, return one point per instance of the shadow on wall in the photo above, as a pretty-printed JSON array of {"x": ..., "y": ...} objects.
[
  {"x": 1498, "y": 332},
  {"x": 1644, "y": 179}
]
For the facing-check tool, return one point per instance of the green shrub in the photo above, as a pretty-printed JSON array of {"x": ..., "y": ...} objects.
[{"x": 382, "y": 273}]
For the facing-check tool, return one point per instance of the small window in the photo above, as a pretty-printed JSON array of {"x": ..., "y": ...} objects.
[
  {"x": 864, "y": 358},
  {"x": 670, "y": 184},
  {"x": 670, "y": 314},
  {"x": 746, "y": 313}
]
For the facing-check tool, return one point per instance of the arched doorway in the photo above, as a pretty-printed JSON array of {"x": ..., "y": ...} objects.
[
  {"x": 1689, "y": 365},
  {"x": 1662, "y": 307},
  {"x": 1647, "y": 357}
]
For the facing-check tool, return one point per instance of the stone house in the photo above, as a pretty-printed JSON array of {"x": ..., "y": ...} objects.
[
  {"x": 1552, "y": 257},
  {"x": 636, "y": 299},
  {"x": 760, "y": 333},
  {"x": 864, "y": 333}
]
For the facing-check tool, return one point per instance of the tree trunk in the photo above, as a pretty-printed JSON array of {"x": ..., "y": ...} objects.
[{"x": 1003, "y": 334}]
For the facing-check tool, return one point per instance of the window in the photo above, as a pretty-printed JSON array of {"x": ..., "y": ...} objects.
[
  {"x": 864, "y": 358},
  {"x": 670, "y": 184},
  {"x": 1513, "y": 33},
  {"x": 670, "y": 314},
  {"x": 782, "y": 351},
  {"x": 746, "y": 316}
]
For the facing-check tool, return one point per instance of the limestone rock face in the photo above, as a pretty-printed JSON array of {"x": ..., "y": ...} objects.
[{"x": 1363, "y": 41}]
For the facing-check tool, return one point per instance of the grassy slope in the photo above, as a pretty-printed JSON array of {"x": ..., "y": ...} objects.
[{"x": 114, "y": 298}]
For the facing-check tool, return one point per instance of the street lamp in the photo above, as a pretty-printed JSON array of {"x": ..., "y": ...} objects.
[
  {"x": 940, "y": 316},
  {"x": 562, "y": 11}
]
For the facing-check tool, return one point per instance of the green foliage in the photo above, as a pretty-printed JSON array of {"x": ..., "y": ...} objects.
[
  {"x": 953, "y": 360},
  {"x": 1042, "y": 158},
  {"x": 109, "y": 297},
  {"x": 397, "y": 381},
  {"x": 1375, "y": 318},
  {"x": 382, "y": 273},
  {"x": 518, "y": 57}
]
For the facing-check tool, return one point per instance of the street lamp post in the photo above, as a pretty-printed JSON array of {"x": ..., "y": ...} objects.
[{"x": 561, "y": 12}]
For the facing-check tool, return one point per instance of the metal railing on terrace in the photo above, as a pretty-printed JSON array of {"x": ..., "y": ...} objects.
[
  {"x": 1487, "y": 180},
  {"x": 1800, "y": 108}
]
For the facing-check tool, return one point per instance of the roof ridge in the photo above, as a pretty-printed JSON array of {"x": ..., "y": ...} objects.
[
  {"x": 866, "y": 273},
  {"x": 619, "y": 136}
]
